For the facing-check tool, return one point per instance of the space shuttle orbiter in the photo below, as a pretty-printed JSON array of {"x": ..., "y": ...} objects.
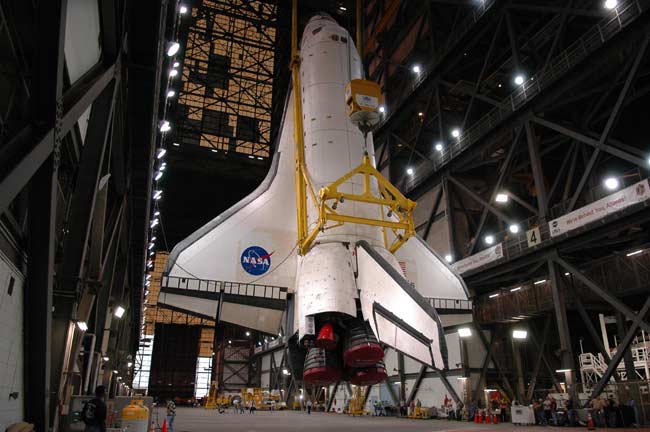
[{"x": 358, "y": 273}]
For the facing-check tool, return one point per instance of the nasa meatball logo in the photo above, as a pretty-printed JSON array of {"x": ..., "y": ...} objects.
[{"x": 256, "y": 260}]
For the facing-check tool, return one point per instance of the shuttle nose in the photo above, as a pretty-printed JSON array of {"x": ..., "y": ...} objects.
[{"x": 322, "y": 16}]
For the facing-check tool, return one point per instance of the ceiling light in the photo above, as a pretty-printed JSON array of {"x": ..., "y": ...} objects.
[
  {"x": 489, "y": 239},
  {"x": 157, "y": 194},
  {"x": 636, "y": 252},
  {"x": 286, "y": 371},
  {"x": 161, "y": 151},
  {"x": 147, "y": 283},
  {"x": 172, "y": 48},
  {"x": 495, "y": 295},
  {"x": 154, "y": 237},
  {"x": 259, "y": 344},
  {"x": 611, "y": 4},
  {"x": 214, "y": 151},
  {"x": 420, "y": 114},
  {"x": 562, "y": 370},
  {"x": 173, "y": 73},
  {"x": 158, "y": 176},
  {"x": 514, "y": 228},
  {"x": 114, "y": 371},
  {"x": 448, "y": 258},
  {"x": 519, "y": 334},
  {"x": 105, "y": 358},
  {"x": 183, "y": 9},
  {"x": 539, "y": 282},
  {"x": 382, "y": 109},
  {"x": 501, "y": 198},
  {"x": 154, "y": 223},
  {"x": 499, "y": 86},
  {"x": 343, "y": 8},
  {"x": 165, "y": 126},
  {"x": 176, "y": 144},
  {"x": 464, "y": 332},
  {"x": 129, "y": 364},
  {"x": 119, "y": 311},
  {"x": 515, "y": 289},
  {"x": 611, "y": 183},
  {"x": 439, "y": 147},
  {"x": 248, "y": 333},
  {"x": 567, "y": 274},
  {"x": 229, "y": 341},
  {"x": 171, "y": 93},
  {"x": 410, "y": 171},
  {"x": 149, "y": 264},
  {"x": 416, "y": 69},
  {"x": 455, "y": 133},
  {"x": 83, "y": 326},
  {"x": 519, "y": 79},
  {"x": 151, "y": 245}
]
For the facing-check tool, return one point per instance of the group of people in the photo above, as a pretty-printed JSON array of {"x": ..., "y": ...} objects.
[
  {"x": 606, "y": 412},
  {"x": 549, "y": 412},
  {"x": 238, "y": 406}
]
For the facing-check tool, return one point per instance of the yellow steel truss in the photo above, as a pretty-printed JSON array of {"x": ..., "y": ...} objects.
[{"x": 388, "y": 198}]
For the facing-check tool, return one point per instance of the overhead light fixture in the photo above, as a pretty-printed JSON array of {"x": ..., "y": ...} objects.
[
  {"x": 248, "y": 333},
  {"x": 157, "y": 194},
  {"x": 153, "y": 238},
  {"x": 149, "y": 264},
  {"x": 488, "y": 390},
  {"x": 115, "y": 371},
  {"x": 83, "y": 326},
  {"x": 105, "y": 358},
  {"x": 151, "y": 245},
  {"x": 147, "y": 283},
  {"x": 464, "y": 332},
  {"x": 182, "y": 9},
  {"x": 455, "y": 133},
  {"x": 343, "y": 8},
  {"x": 494, "y": 295},
  {"x": 410, "y": 171},
  {"x": 148, "y": 275},
  {"x": 519, "y": 79},
  {"x": 119, "y": 311},
  {"x": 636, "y": 252},
  {"x": 172, "y": 48},
  {"x": 611, "y": 183},
  {"x": 150, "y": 253},
  {"x": 164, "y": 127},
  {"x": 519, "y": 334},
  {"x": 461, "y": 378},
  {"x": 567, "y": 274},
  {"x": 515, "y": 289},
  {"x": 539, "y": 282},
  {"x": 161, "y": 151},
  {"x": 259, "y": 343},
  {"x": 286, "y": 371},
  {"x": 416, "y": 69},
  {"x": 448, "y": 258},
  {"x": 154, "y": 223},
  {"x": 214, "y": 151},
  {"x": 229, "y": 341},
  {"x": 489, "y": 239},
  {"x": 382, "y": 109},
  {"x": 420, "y": 114},
  {"x": 501, "y": 197},
  {"x": 158, "y": 175},
  {"x": 129, "y": 364},
  {"x": 171, "y": 93},
  {"x": 439, "y": 146},
  {"x": 611, "y": 4},
  {"x": 514, "y": 228},
  {"x": 562, "y": 370},
  {"x": 173, "y": 73},
  {"x": 176, "y": 144}
]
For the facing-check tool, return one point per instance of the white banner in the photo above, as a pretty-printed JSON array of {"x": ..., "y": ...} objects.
[
  {"x": 601, "y": 208},
  {"x": 479, "y": 259}
]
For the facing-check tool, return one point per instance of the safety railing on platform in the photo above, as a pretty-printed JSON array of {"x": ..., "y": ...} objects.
[
  {"x": 515, "y": 244},
  {"x": 619, "y": 18},
  {"x": 235, "y": 288}
]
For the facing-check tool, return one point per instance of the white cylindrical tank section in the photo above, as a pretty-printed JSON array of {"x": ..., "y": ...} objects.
[{"x": 333, "y": 145}]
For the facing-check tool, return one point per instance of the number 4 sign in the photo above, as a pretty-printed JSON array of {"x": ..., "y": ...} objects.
[{"x": 534, "y": 237}]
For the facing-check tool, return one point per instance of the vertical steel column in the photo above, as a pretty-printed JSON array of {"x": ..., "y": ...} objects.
[
  {"x": 46, "y": 107},
  {"x": 450, "y": 215},
  {"x": 566, "y": 352},
  {"x": 402, "y": 376},
  {"x": 516, "y": 354},
  {"x": 538, "y": 173}
]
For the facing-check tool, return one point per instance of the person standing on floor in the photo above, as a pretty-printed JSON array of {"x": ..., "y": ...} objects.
[
  {"x": 171, "y": 415},
  {"x": 252, "y": 407},
  {"x": 93, "y": 412},
  {"x": 309, "y": 406}
]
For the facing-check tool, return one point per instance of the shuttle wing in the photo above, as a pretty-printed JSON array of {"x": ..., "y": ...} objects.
[
  {"x": 398, "y": 315},
  {"x": 250, "y": 246}
]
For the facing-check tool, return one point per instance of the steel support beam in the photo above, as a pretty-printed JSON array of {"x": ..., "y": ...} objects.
[
  {"x": 600, "y": 292},
  {"x": 449, "y": 212},
  {"x": 621, "y": 329},
  {"x": 498, "y": 213},
  {"x": 540, "y": 356},
  {"x": 432, "y": 216},
  {"x": 330, "y": 400},
  {"x": 622, "y": 348},
  {"x": 416, "y": 384},
  {"x": 538, "y": 173},
  {"x": 497, "y": 363}
]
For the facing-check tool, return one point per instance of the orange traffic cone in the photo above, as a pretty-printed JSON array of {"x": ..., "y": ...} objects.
[
  {"x": 164, "y": 428},
  {"x": 590, "y": 422},
  {"x": 488, "y": 418},
  {"x": 495, "y": 419},
  {"x": 477, "y": 417}
]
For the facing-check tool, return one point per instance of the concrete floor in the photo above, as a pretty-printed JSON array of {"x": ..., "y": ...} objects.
[{"x": 201, "y": 420}]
